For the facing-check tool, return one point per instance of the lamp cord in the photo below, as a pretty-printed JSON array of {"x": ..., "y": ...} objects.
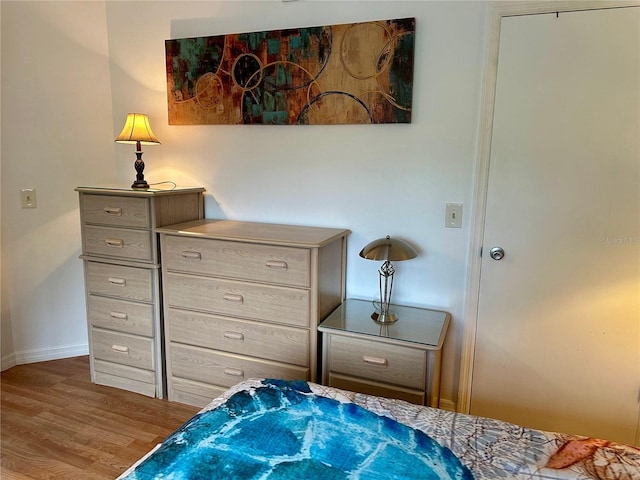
[{"x": 173, "y": 184}]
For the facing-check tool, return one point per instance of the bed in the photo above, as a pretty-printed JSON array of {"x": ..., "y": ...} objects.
[{"x": 281, "y": 429}]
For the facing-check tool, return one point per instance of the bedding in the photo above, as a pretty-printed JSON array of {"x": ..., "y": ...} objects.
[{"x": 280, "y": 430}]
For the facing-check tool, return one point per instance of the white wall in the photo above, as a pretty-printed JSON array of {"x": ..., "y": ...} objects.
[
  {"x": 374, "y": 180},
  {"x": 56, "y": 135}
]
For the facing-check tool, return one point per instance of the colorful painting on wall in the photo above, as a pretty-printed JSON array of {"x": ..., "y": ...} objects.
[{"x": 359, "y": 73}]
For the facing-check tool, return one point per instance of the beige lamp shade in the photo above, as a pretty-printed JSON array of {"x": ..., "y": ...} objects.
[{"x": 137, "y": 129}]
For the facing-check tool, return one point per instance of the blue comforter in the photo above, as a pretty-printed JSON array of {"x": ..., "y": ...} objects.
[{"x": 282, "y": 430}]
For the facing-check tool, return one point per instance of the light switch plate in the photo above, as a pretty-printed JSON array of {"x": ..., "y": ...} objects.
[
  {"x": 453, "y": 215},
  {"x": 28, "y": 197}
]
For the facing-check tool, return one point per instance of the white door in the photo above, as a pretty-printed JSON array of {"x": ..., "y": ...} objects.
[{"x": 558, "y": 327}]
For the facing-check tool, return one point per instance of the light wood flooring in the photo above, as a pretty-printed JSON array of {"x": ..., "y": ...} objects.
[{"x": 56, "y": 424}]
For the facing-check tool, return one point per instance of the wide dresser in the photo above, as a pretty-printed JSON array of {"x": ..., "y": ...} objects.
[
  {"x": 243, "y": 300},
  {"x": 122, "y": 280}
]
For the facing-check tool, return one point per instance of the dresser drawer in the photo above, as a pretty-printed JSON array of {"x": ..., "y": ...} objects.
[
  {"x": 278, "y": 343},
  {"x": 122, "y": 348},
  {"x": 239, "y": 260},
  {"x": 378, "y": 361},
  {"x": 224, "y": 369},
  {"x": 246, "y": 300},
  {"x": 193, "y": 393},
  {"x": 121, "y": 376},
  {"x": 118, "y": 211},
  {"x": 118, "y": 242},
  {"x": 119, "y": 281},
  {"x": 129, "y": 317}
]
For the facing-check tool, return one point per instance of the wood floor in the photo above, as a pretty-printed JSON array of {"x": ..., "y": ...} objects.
[{"x": 56, "y": 424}]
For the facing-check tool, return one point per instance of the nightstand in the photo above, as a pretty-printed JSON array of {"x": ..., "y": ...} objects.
[{"x": 401, "y": 360}]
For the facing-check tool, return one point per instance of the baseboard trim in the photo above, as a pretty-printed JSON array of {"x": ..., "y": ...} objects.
[
  {"x": 446, "y": 404},
  {"x": 43, "y": 355},
  {"x": 7, "y": 361}
]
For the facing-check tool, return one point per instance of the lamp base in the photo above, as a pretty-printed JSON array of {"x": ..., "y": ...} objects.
[
  {"x": 140, "y": 184},
  {"x": 384, "y": 318}
]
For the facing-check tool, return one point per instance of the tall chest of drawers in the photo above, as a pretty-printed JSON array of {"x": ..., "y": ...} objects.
[
  {"x": 243, "y": 300},
  {"x": 123, "y": 283}
]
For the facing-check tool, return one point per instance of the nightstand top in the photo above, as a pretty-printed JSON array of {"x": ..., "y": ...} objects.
[{"x": 424, "y": 327}]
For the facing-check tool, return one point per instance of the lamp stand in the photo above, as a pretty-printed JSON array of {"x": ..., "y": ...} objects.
[
  {"x": 385, "y": 315},
  {"x": 139, "y": 166}
]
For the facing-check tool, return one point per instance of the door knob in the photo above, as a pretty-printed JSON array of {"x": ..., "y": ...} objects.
[{"x": 497, "y": 253}]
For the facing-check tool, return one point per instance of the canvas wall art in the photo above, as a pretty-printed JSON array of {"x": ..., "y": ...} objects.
[{"x": 358, "y": 73}]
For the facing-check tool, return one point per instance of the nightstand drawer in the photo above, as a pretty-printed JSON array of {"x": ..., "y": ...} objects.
[
  {"x": 118, "y": 242},
  {"x": 223, "y": 369},
  {"x": 278, "y": 343},
  {"x": 239, "y": 260},
  {"x": 129, "y": 317},
  {"x": 378, "y": 389},
  {"x": 122, "y": 348},
  {"x": 245, "y": 300},
  {"x": 119, "y": 281},
  {"x": 117, "y": 211},
  {"x": 378, "y": 361}
]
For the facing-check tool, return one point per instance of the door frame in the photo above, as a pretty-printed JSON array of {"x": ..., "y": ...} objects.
[{"x": 497, "y": 11}]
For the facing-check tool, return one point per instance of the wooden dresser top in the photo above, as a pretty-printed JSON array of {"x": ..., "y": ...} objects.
[{"x": 255, "y": 232}]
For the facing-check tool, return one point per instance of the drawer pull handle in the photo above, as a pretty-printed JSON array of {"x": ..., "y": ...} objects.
[
  {"x": 192, "y": 255},
  {"x": 113, "y": 211},
  {"x": 118, "y": 315},
  {"x": 115, "y": 242},
  {"x": 120, "y": 282},
  {"x": 232, "y": 297},
  {"x": 233, "y": 372},
  {"x": 234, "y": 335},
  {"x": 277, "y": 265},
  {"x": 120, "y": 349},
  {"x": 375, "y": 360}
]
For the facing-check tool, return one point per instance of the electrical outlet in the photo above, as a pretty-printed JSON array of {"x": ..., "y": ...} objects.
[
  {"x": 453, "y": 215},
  {"x": 28, "y": 197}
]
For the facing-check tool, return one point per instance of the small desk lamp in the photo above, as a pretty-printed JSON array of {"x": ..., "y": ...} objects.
[
  {"x": 387, "y": 249},
  {"x": 137, "y": 130}
]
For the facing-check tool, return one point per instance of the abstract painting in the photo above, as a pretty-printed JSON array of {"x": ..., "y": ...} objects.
[{"x": 358, "y": 73}]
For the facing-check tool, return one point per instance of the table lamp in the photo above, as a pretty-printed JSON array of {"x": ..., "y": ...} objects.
[
  {"x": 137, "y": 130},
  {"x": 387, "y": 249}
]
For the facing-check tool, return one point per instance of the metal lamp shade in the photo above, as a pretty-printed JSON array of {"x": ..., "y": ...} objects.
[{"x": 388, "y": 249}]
